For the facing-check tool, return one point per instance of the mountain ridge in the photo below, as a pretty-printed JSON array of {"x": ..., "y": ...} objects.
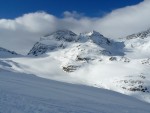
[{"x": 89, "y": 59}]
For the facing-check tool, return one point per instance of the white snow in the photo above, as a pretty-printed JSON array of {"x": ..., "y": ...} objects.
[
  {"x": 105, "y": 74},
  {"x": 93, "y": 60},
  {"x": 138, "y": 48},
  {"x": 22, "y": 93}
]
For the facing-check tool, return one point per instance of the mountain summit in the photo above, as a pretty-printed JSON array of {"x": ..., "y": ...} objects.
[
  {"x": 62, "y": 39},
  {"x": 73, "y": 50},
  {"x": 64, "y": 35},
  {"x": 53, "y": 41}
]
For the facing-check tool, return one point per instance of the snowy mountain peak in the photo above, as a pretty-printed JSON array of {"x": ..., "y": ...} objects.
[
  {"x": 62, "y": 39},
  {"x": 141, "y": 35},
  {"x": 92, "y": 33},
  {"x": 53, "y": 41},
  {"x": 73, "y": 51},
  {"x": 95, "y": 37},
  {"x": 61, "y": 32},
  {"x": 65, "y": 35}
]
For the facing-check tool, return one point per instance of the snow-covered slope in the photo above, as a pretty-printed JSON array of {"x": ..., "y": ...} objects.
[
  {"x": 4, "y": 53},
  {"x": 22, "y": 93},
  {"x": 74, "y": 51},
  {"x": 127, "y": 77},
  {"x": 90, "y": 59},
  {"x": 138, "y": 45}
]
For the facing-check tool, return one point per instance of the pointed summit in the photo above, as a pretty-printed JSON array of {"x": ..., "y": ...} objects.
[
  {"x": 95, "y": 37},
  {"x": 64, "y": 31},
  {"x": 59, "y": 35},
  {"x": 92, "y": 33},
  {"x": 53, "y": 41}
]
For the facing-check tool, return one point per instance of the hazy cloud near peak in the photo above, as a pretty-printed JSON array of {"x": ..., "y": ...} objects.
[
  {"x": 21, "y": 33},
  {"x": 125, "y": 21}
]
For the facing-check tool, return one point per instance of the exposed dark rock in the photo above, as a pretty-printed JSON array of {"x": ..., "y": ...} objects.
[
  {"x": 133, "y": 84},
  {"x": 146, "y": 61},
  {"x": 70, "y": 68},
  {"x": 113, "y": 59},
  {"x": 83, "y": 59},
  {"x": 125, "y": 59}
]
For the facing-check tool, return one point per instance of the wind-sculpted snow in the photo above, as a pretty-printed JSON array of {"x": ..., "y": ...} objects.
[
  {"x": 23, "y": 93},
  {"x": 120, "y": 74}
]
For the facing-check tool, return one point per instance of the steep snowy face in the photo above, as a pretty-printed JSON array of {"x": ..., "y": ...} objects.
[
  {"x": 94, "y": 37},
  {"x": 4, "y": 53},
  {"x": 63, "y": 35},
  {"x": 63, "y": 39},
  {"x": 106, "y": 46},
  {"x": 73, "y": 51},
  {"x": 139, "y": 42},
  {"x": 58, "y": 39}
]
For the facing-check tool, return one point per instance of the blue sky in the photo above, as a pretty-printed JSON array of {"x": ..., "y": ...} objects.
[{"x": 91, "y": 8}]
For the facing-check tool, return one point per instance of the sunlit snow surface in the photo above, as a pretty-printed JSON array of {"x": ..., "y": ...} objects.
[
  {"x": 106, "y": 74},
  {"x": 122, "y": 66},
  {"x": 22, "y": 93}
]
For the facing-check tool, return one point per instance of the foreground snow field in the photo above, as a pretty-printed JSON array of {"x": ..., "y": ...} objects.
[{"x": 22, "y": 93}]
